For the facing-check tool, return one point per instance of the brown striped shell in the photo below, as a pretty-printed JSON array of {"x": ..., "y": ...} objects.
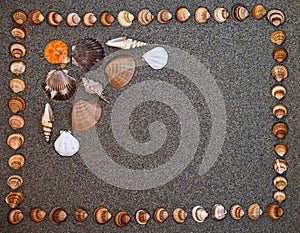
[
  {"x": 279, "y": 72},
  {"x": 258, "y": 11},
  {"x": 19, "y": 16},
  {"x": 14, "y": 181},
  {"x": 164, "y": 16},
  {"x": 16, "y": 104},
  {"x": 279, "y": 111},
  {"x": 280, "y": 149},
  {"x": 239, "y": 13},
  {"x": 201, "y": 15},
  {"x": 220, "y": 14},
  {"x": 16, "y": 161},
  {"x": 17, "y": 85},
  {"x": 106, "y": 19},
  {"x": 182, "y": 14},
  {"x": 280, "y": 182},
  {"x": 35, "y": 17},
  {"x": 142, "y": 217},
  {"x": 54, "y": 18},
  {"x": 121, "y": 218},
  {"x": 280, "y": 166},
  {"x": 278, "y": 91},
  {"x": 13, "y": 199},
  {"x": 218, "y": 212},
  {"x": 15, "y": 216},
  {"x": 236, "y": 211},
  {"x": 275, "y": 17},
  {"x": 17, "y": 67},
  {"x": 80, "y": 215},
  {"x": 144, "y": 17},
  {"x": 279, "y": 54},
  {"x": 15, "y": 140},
  {"x": 89, "y": 19},
  {"x": 274, "y": 211},
  {"x": 57, "y": 215},
  {"x": 16, "y": 122},
  {"x": 101, "y": 215},
  {"x": 160, "y": 215},
  {"x": 278, "y": 37},
  {"x": 72, "y": 19},
  {"x": 279, "y": 196},
  {"x": 280, "y": 129},
  {"x": 179, "y": 215},
  {"x": 17, "y": 49},
  {"x": 254, "y": 211},
  {"x": 19, "y": 32},
  {"x": 37, "y": 214},
  {"x": 199, "y": 214},
  {"x": 56, "y": 52}
]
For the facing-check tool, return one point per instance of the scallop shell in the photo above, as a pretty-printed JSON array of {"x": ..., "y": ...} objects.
[
  {"x": 47, "y": 121},
  {"x": 280, "y": 129},
  {"x": 56, "y": 52},
  {"x": 274, "y": 211},
  {"x": 89, "y": 19},
  {"x": 144, "y": 17},
  {"x": 59, "y": 85},
  {"x": 179, "y": 215},
  {"x": 15, "y": 216},
  {"x": 220, "y": 14},
  {"x": 164, "y": 16},
  {"x": 218, "y": 212},
  {"x": 258, "y": 11},
  {"x": 280, "y": 182},
  {"x": 156, "y": 58},
  {"x": 254, "y": 211},
  {"x": 66, "y": 144},
  {"x": 35, "y": 17},
  {"x": 236, "y": 211},
  {"x": 120, "y": 70},
  {"x": 239, "y": 13},
  {"x": 280, "y": 54},
  {"x": 72, "y": 19},
  {"x": 125, "y": 18},
  {"x": 13, "y": 199},
  {"x": 87, "y": 53},
  {"x": 199, "y": 214},
  {"x": 17, "y": 85},
  {"x": 14, "y": 181},
  {"x": 54, "y": 18},
  {"x": 280, "y": 149},
  {"x": 17, "y": 50},
  {"x": 279, "y": 196},
  {"x": 142, "y": 217},
  {"x": 17, "y": 67},
  {"x": 160, "y": 215},
  {"x": 275, "y": 17},
  {"x": 16, "y": 104},
  {"x": 19, "y": 16},
  {"x": 106, "y": 19},
  {"x": 101, "y": 215},
  {"x": 57, "y": 215},
  {"x": 124, "y": 43},
  {"x": 16, "y": 161},
  {"x": 37, "y": 214},
  {"x": 280, "y": 166},
  {"x": 278, "y": 37},
  {"x": 19, "y": 32},
  {"x": 16, "y": 122},
  {"x": 121, "y": 218},
  {"x": 93, "y": 87},
  {"x": 15, "y": 140},
  {"x": 201, "y": 15},
  {"x": 279, "y": 72},
  {"x": 279, "y": 111},
  {"x": 182, "y": 14},
  {"x": 278, "y": 91},
  {"x": 80, "y": 215}
]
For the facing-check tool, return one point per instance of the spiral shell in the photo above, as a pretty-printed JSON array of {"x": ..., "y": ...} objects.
[
  {"x": 72, "y": 19},
  {"x": 220, "y": 14},
  {"x": 19, "y": 16},
  {"x": 239, "y": 13},
  {"x": 89, "y": 19},
  {"x": 280, "y": 149},
  {"x": 236, "y": 211},
  {"x": 258, "y": 11},
  {"x": 16, "y": 104},
  {"x": 80, "y": 215},
  {"x": 182, "y": 14},
  {"x": 13, "y": 199},
  {"x": 142, "y": 217},
  {"x": 35, "y": 17},
  {"x": 278, "y": 91},
  {"x": 106, "y": 19},
  {"x": 273, "y": 211},
  {"x": 17, "y": 67},
  {"x": 279, "y": 111},
  {"x": 144, "y": 17},
  {"x": 276, "y": 17},
  {"x": 124, "y": 43},
  {"x": 17, "y": 85},
  {"x": 254, "y": 211},
  {"x": 16, "y": 122},
  {"x": 179, "y": 215},
  {"x": 15, "y": 140},
  {"x": 160, "y": 215},
  {"x": 15, "y": 216},
  {"x": 57, "y": 215},
  {"x": 56, "y": 52},
  {"x": 125, "y": 18},
  {"x": 54, "y": 18},
  {"x": 201, "y": 15},
  {"x": 16, "y": 161},
  {"x": 280, "y": 182},
  {"x": 93, "y": 87},
  {"x": 37, "y": 214},
  {"x": 19, "y": 32},
  {"x": 279, "y": 72},
  {"x": 17, "y": 49},
  {"x": 280, "y": 166},
  {"x": 199, "y": 214},
  {"x": 14, "y": 181},
  {"x": 278, "y": 37},
  {"x": 101, "y": 215},
  {"x": 218, "y": 212},
  {"x": 280, "y": 129},
  {"x": 121, "y": 218},
  {"x": 279, "y": 54},
  {"x": 279, "y": 196},
  {"x": 47, "y": 121},
  {"x": 164, "y": 16}
]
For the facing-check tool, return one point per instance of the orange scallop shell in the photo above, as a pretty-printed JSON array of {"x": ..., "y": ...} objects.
[{"x": 56, "y": 52}]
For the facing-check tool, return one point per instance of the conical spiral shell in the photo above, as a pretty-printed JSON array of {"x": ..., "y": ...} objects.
[
  {"x": 56, "y": 52},
  {"x": 239, "y": 13},
  {"x": 218, "y": 212},
  {"x": 280, "y": 149},
  {"x": 80, "y": 215},
  {"x": 37, "y": 214},
  {"x": 35, "y": 17},
  {"x": 276, "y": 17},
  {"x": 101, "y": 215},
  {"x": 121, "y": 218},
  {"x": 199, "y": 214},
  {"x": 279, "y": 196},
  {"x": 47, "y": 121},
  {"x": 179, "y": 215},
  {"x": 13, "y": 199},
  {"x": 274, "y": 211},
  {"x": 144, "y": 17},
  {"x": 125, "y": 18},
  {"x": 106, "y": 19},
  {"x": 280, "y": 182},
  {"x": 124, "y": 43},
  {"x": 280, "y": 129},
  {"x": 17, "y": 85},
  {"x": 278, "y": 91},
  {"x": 279, "y": 111},
  {"x": 278, "y": 37},
  {"x": 258, "y": 11},
  {"x": 236, "y": 211},
  {"x": 19, "y": 32},
  {"x": 160, "y": 215},
  {"x": 220, "y": 14},
  {"x": 142, "y": 217},
  {"x": 54, "y": 18},
  {"x": 14, "y": 181},
  {"x": 15, "y": 140},
  {"x": 17, "y": 67},
  {"x": 16, "y": 104},
  {"x": 16, "y": 122},
  {"x": 89, "y": 19},
  {"x": 17, "y": 49},
  {"x": 201, "y": 15},
  {"x": 164, "y": 16},
  {"x": 15, "y": 216},
  {"x": 182, "y": 14},
  {"x": 72, "y": 19},
  {"x": 57, "y": 215},
  {"x": 280, "y": 54},
  {"x": 254, "y": 211},
  {"x": 16, "y": 161},
  {"x": 280, "y": 166},
  {"x": 19, "y": 16}
]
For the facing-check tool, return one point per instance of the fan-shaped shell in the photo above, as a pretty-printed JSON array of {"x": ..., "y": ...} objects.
[
  {"x": 15, "y": 140},
  {"x": 258, "y": 11},
  {"x": 179, "y": 215},
  {"x": 279, "y": 196},
  {"x": 142, "y": 217},
  {"x": 280, "y": 54},
  {"x": 17, "y": 85},
  {"x": 16, "y": 104},
  {"x": 56, "y": 52},
  {"x": 160, "y": 215},
  {"x": 236, "y": 211},
  {"x": 54, "y": 18},
  {"x": 280, "y": 182},
  {"x": 35, "y": 17},
  {"x": 201, "y": 15},
  {"x": 280, "y": 129},
  {"x": 72, "y": 19},
  {"x": 19, "y": 32},
  {"x": 279, "y": 72},
  {"x": 220, "y": 14},
  {"x": 19, "y": 16},
  {"x": 182, "y": 14},
  {"x": 218, "y": 212},
  {"x": 124, "y": 43},
  {"x": 120, "y": 70},
  {"x": 164, "y": 16},
  {"x": 15, "y": 216},
  {"x": 101, "y": 215},
  {"x": 66, "y": 144},
  {"x": 17, "y": 67},
  {"x": 57, "y": 215},
  {"x": 279, "y": 111},
  {"x": 13, "y": 199},
  {"x": 37, "y": 214},
  {"x": 278, "y": 91},
  {"x": 280, "y": 149},
  {"x": 17, "y": 49},
  {"x": 144, "y": 17},
  {"x": 199, "y": 214},
  {"x": 16, "y": 161},
  {"x": 239, "y": 13},
  {"x": 106, "y": 19},
  {"x": 14, "y": 181},
  {"x": 121, "y": 218},
  {"x": 278, "y": 37},
  {"x": 157, "y": 58},
  {"x": 47, "y": 121},
  {"x": 125, "y": 18},
  {"x": 16, "y": 122},
  {"x": 89, "y": 19},
  {"x": 80, "y": 215},
  {"x": 274, "y": 211},
  {"x": 254, "y": 211},
  {"x": 280, "y": 166},
  {"x": 276, "y": 17}
]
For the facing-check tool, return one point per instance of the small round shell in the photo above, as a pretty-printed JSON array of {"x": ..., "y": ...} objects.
[
  {"x": 19, "y": 16},
  {"x": 280, "y": 182},
  {"x": 199, "y": 214},
  {"x": 37, "y": 214},
  {"x": 14, "y": 181},
  {"x": 142, "y": 217},
  {"x": 279, "y": 111},
  {"x": 13, "y": 199},
  {"x": 16, "y": 122},
  {"x": 15, "y": 216},
  {"x": 17, "y": 85},
  {"x": 280, "y": 54},
  {"x": 101, "y": 215},
  {"x": 278, "y": 91},
  {"x": 106, "y": 19},
  {"x": 89, "y": 19},
  {"x": 17, "y": 67},
  {"x": 56, "y": 52},
  {"x": 280, "y": 166},
  {"x": 144, "y": 17},
  {"x": 239, "y": 13},
  {"x": 16, "y": 161},
  {"x": 279, "y": 196},
  {"x": 276, "y": 17},
  {"x": 220, "y": 14},
  {"x": 164, "y": 16},
  {"x": 160, "y": 215},
  {"x": 254, "y": 211},
  {"x": 121, "y": 218},
  {"x": 57, "y": 215},
  {"x": 35, "y": 17},
  {"x": 54, "y": 18},
  {"x": 125, "y": 18},
  {"x": 279, "y": 72},
  {"x": 80, "y": 215},
  {"x": 16, "y": 104},
  {"x": 258, "y": 11},
  {"x": 179, "y": 215},
  {"x": 236, "y": 211},
  {"x": 218, "y": 212},
  {"x": 201, "y": 15},
  {"x": 280, "y": 149},
  {"x": 72, "y": 19},
  {"x": 273, "y": 211},
  {"x": 278, "y": 37},
  {"x": 280, "y": 129},
  {"x": 17, "y": 50},
  {"x": 15, "y": 140},
  {"x": 19, "y": 32},
  {"x": 182, "y": 14}
]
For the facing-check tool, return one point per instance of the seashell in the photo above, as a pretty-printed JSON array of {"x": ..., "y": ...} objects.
[
  {"x": 89, "y": 19},
  {"x": 258, "y": 11},
  {"x": 16, "y": 161},
  {"x": 220, "y": 14},
  {"x": 19, "y": 32},
  {"x": 254, "y": 211},
  {"x": 16, "y": 122},
  {"x": 15, "y": 140},
  {"x": 47, "y": 120},
  {"x": 35, "y": 17},
  {"x": 17, "y": 85},
  {"x": 142, "y": 217},
  {"x": 85, "y": 115},
  {"x": 13, "y": 199},
  {"x": 280, "y": 54},
  {"x": 218, "y": 212},
  {"x": 14, "y": 181},
  {"x": 57, "y": 215},
  {"x": 279, "y": 111},
  {"x": 15, "y": 216},
  {"x": 59, "y": 85},
  {"x": 164, "y": 16},
  {"x": 80, "y": 215},
  {"x": 278, "y": 37},
  {"x": 274, "y": 211},
  {"x": 280, "y": 166},
  {"x": 93, "y": 87},
  {"x": 280, "y": 149},
  {"x": 37, "y": 214},
  {"x": 199, "y": 214},
  {"x": 156, "y": 58},
  {"x": 280, "y": 129},
  {"x": 16, "y": 104},
  {"x": 121, "y": 218},
  {"x": 279, "y": 196},
  {"x": 120, "y": 70},
  {"x": 124, "y": 43},
  {"x": 239, "y": 13},
  {"x": 106, "y": 19},
  {"x": 66, "y": 144},
  {"x": 101, "y": 215},
  {"x": 17, "y": 67},
  {"x": 125, "y": 18},
  {"x": 19, "y": 16},
  {"x": 54, "y": 18},
  {"x": 87, "y": 53},
  {"x": 278, "y": 91},
  {"x": 201, "y": 15},
  {"x": 17, "y": 50},
  {"x": 144, "y": 17},
  {"x": 72, "y": 19},
  {"x": 275, "y": 17},
  {"x": 280, "y": 182},
  {"x": 182, "y": 14},
  {"x": 236, "y": 211},
  {"x": 179, "y": 215},
  {"x": 160, "y": 215},
  {"x": 56, "y": 52}
]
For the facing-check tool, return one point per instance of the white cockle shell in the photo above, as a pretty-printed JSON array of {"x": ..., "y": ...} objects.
[
  {"x": 157, "y": 58},
  {"x": 66, "y": 144}
]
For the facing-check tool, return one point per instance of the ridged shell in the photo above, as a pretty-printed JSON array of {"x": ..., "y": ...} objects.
[
  {"x": 14, "y": 181},
  {"x": 258, "y": 11},
  {"x": 19, "y": 32},
  {"x": 274, "y": 211},
  {"x": 278, "y": 37},
  {"x": 160, "y": 215},
  {"x": 278, "y": 91},
  {"x": 201, "y": 15},
  {"x": 19, "y": 16},
  {"x": 280, "y": 149},
  {"x": 106, "y": 19},
  {"x": 280, "y": 129},
  {"x": 59, "y": 85},
  {"x": 218, "y": 212},
  {"x": 66, "y": 144},
  {"x": 80, "y": 215},
  {"x": 280, "y": 54},
  {"x": 16, "y": 161},
  {"x": 157, "y": 58},
  {"x": 16, "y": 104},
  {"x": 144, "y": 17},
  {"x": 142, "y": 217},
  {"x": 120, "y": 70},
  {"x": 93, "y": 87},
  {"x": 17, "y": 67},
  {"x": 125, "y": 18},
  {"x": 254, "y": 211},
  {"x": 121, "y": 218},
  {"x": 199, "y": 214},
  {"x": 87, "y": 53},
  {"x": 182, "y": 14},
  {"x": 101, "y": 215},
  {"x": 13, "y": 199},
  {"x": 280, "y": 166},
  {"x": 220, "y": 14},
  {"x": 17, "y": 85},
  {"x": 179, "y": 215},
  {"x": 47, "y": 121},
  {"x": 37, "y": 214},
  {"x": 279, "y": 111},
  {"x": 57, "y": 215},
  {"x": 239, "y": 13},
  {"x": 17, "y": 50},
  {"x": 124, "y": 43},
  {"x": 35, "y": 17},
  {"x": 56, "y": 52},
  {"x": 15, "y": 216},
  {"x": 236, "y": 211},
  {"x": 16, "y": 122},
  {"x": 164, "y": 16},
  {"x": 279, "y": 72},
  {"x": 72, "y": 19},
  {"x": 54, "y": 18},
  {"x": 89, "y": 19},
  {"x": 279, "y": 196},
  {"x": 15, "y": 140},
  {"x": 280, "y": 182},
  {"x": 276, "y": 17}
]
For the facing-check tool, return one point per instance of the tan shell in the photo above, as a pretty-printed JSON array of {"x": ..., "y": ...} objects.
[
  {"x": 47, "y": 121},
  {"x": 15, "y": 216},
  {"x": 182, "y": 14},
  {"x": 280, "y": 129},
  {"x": 278, "y": 37},
  {"x": 89, "y": 19},
  {"x": 280, "y": 54},
  {"x": 279, "y": 72},
  {"x": 280, "y": 182},
  {"x": 160, "y": 215},
  {"x": 101, "y": 215},
  {"x": 17, "y": 67},
  {"x": 201, "y": 15},
  {"x": 37, "y": 214},
  {"x": 16, "y": 122},
  {"x": 179, "y": 215},
  {"x": 17, "y": 49},
  {"x": 275, "y": 17},
  {"x": 15, "y": 140},
  {"x": 16, "y": 161},
  {"x": 279, "y": 196},
  {"x": 13, "y": 199},
  {"x": 142, "y": 217},
  {"x": 16, "y": 104},
  {"x": 280, "y": 149},
  {"x": 35, "y": 17},
  {"x": 278, "y": 91},
  {"x": 106, "y": 19},
  {"x": 14, "y": 181},
  {"x": 19, "y": 16},
  {"x": 220, "y": 14},
  {"x": 236, "y": 211},
  {"x": 218, "y": 212},
  {"x": 19, "y": 32},
  {"x": 72, "y": 19},
  {"x": 199, "y": 214},
  {"x": 258, "y": 11},
  {"x": 279, "y": 111},
  {"x": 125, "y": 18},
  {"x": 254, "y": 211},
  {"x": 54, "y": 18},
  {"x": 239, "y": 13},
  {"x": 280, "y": 166},
  {"x": 57, "y": 215},
  {"x": 164, "y": 16},
  {"x": 273, "y": 211},
  {"x": 144, "y": 17},
  {"x": 80, "y": 215},
  {"x": 121, "y": 218},
  {"x": 17, "y": 85}
]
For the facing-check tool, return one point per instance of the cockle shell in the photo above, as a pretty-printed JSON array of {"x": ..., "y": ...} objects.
[
  {"x": 54, "y": 18},
  {"x": 164, "y": 16},
  {"x": 239, "y": 13},
  {"x": 59, "y": 85},
  {"x": 16, "y": 104},
  {"x": 37, "y": 214},
  {"x": 279, "y": 196},
  {"x": 218, "y": 212},
  {"x": 101, "y": 215},
  {"x": 201, "y": 15},
  {"x": 19, "y": 32},
  {"x": 258, "y": 11},
  {"x": 15, "y": 140},
  {"x": 80, "y": 215},
  {"x": 87, "y": 53},
  {"x": 17, "y": 49},
  {"x": 179, "y": 215},
  {"x": 280, "y": 129},
  {"x": 66, "y": 144},
  {"x": 236, "y": 211},
  {"x": 120, "y": 70},
  {"x": 56, "y": 52},
  {"x": 125, "y": 18},
  {"x": 220, "y": 14},
  {"x": 93, "y": 87},
  {"x": 279, "y": 111},
  {"x": 57, "y": 215},
  {"x": 17, "y": 67},
  {"x": 16, "y": 122},
  {"x": 16, "y": 161},
  {"x": 35, "y": 17},
  {"x": 15, "y": 216},
  {"x": 144, "y": 17},
  {"x": 14, "y": 181},
  {"x": 156, "y": 58},
  {"x": 106, "y": 19},
  {"x": 199, "y": 214},
  {"x": 160, "y": 215},
  {"x": 279, "y": 72},
  {"x": 280, "y": 182},
  {"x": 254, "y": 211},
  {"x": 278, "y": 37},
  {"x": 121, "y": 218},
  {"x": 280, "y": 166},
  {"x": 17, "y": 85},
  {"x": 13, "y": 199},
  {"x": 142, "y": 217},
  {"x": 280, "y": 54},
  {"x": 278, "y": 91},
  {"x": 19, "y": 16},
  {"x": 275, "y": 17},
  {"x": 182, "y": 14},
  {"x": 72, "y": 19},
  {"x": 274, "y": 211},
  {"x": 280, "y": 149},
  {"x": 124, "y": 43},
  {"x": 47, "y": 121},
  {"x": 89, "y": 19}
]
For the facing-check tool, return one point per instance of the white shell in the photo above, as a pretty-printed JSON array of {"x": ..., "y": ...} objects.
[
  {"x": 124, "y": 43},
  {"x": 66, "y": 144},
  {"x": 157, "y": 58},
  {"x": 93, "y": 87}
]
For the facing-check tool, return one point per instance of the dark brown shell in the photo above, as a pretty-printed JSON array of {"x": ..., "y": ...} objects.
[
  {"x": 182, "y": 14},
  {"x": 280, "y": 129},
  {"x": 160, "y": 215},
  {"x": 280, "y": 54},
  {"x": 274, "y": 211},
  {"x": 35, "y": 17},
  {"x": 19, "y": 16},
  {"x": 15, "y": 216},
  {"x": 13, "y": 199},
  {"x": 239, "y": 13},
  {"x": 57, "y": 215},
  {"x": 80, "y": 215},
  {"x": 37, "y": 214},
  {"x": 121, "y": 218},
  {"x": 101, "y": 215},
  {"x": 236, "y": 211},
  {"x": 106, "y": 19}
]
